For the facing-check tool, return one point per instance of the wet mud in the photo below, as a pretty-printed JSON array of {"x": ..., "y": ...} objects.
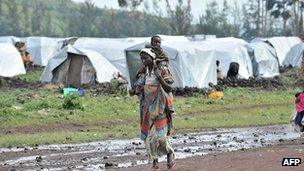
[{"x": 127, "y": 153}]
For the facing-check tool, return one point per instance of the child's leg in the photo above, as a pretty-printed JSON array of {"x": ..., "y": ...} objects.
[{"x": 298, "y": 119}]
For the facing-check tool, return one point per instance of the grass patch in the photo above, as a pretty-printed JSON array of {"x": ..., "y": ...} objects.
[
  {"x": 31, "y": 76},
  {"x": 118, "y": 117}
]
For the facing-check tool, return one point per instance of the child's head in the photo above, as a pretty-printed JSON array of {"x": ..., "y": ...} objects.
[{"x": 156, "y": 41}]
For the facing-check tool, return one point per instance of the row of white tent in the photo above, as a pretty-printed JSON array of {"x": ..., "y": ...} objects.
[{"x": 192, "y": 63}]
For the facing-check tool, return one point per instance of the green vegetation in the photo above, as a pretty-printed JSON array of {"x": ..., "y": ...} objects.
[
  {"x": 30, "y": 117},
  {"x": 72, "y": 101},
  {"x": 31, "y": 76},
  {"x": 65, "y": 18}
]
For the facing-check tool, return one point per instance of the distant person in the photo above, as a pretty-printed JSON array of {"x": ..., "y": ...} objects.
[
  {"x": 299, "y": 105},
  {"x": 219, "y": 73},
  {"x": 214, "y": 91},
  {"x": 151, "y": 88},
  {"x": 233, "y": 72},
  {"x": 118, "y": 84},
  {"x": 25, "y": 55}
]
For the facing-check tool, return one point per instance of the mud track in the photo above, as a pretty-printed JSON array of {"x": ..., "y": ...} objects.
[{"x": 128, "y": 153}]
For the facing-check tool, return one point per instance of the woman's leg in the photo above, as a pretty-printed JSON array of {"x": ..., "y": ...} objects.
[
  {"x": 152, "y": 148},
  {"x": 165, "y": 148}
]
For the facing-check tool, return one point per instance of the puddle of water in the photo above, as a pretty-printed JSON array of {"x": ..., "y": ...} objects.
[{"x": 126, "y": 153}]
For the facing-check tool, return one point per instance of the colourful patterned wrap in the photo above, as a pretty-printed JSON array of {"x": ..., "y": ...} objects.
[{"x": 155, "y": 104}]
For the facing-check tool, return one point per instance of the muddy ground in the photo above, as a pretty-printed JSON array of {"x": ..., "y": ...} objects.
[
  {"x": 211, "y": 149},
  {"x": 265, "y": 158}
]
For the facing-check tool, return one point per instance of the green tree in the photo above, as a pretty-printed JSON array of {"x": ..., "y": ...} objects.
[
  {"x": 180, "y": 17},
  {"x": 132, "y": 5},
  {"x": 88, "y": 18},
  {"x": 218, "y": 21},
  {"x": 37, "y": 15},
  {"x": 281, "y": 9},
  {"x": 14, "y": 18},
  {"x": 26, "y": 22}
]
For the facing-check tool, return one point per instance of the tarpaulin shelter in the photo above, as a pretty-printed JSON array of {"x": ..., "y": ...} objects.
[
  {"x": 76, "y": 66},
  {"x": 112, "y": 49},
  {"x": 42, "y": 49},
  {"x": 264, "y": 60},
  {"x": 295, "y": 56},
  {"x": 229, "y": 50},
  {"x": 189, "y": 65},
  {"x": 282, "y": 45},
  {"x": 9, "y": 39},
  {"x": 11, "y": 63}
]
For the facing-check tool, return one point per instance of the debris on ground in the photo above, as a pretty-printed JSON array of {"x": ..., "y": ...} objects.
[
  {"x": 274, "y": 83},
  {"x": 6, "y": 82}
]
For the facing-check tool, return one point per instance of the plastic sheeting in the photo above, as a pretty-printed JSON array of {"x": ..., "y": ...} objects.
[
  {"x": 42, "y": 49},
  {"x": 264, "y": 60},
  {"x": 11, "y": 63},
  {"x": 229, "y": 50},
  {"x": 9, "y": 39},
  {"x": 189, "y": 65},
  {"x": 112, "y": 49},
  {"x": 104, "y": 69},
  {"x": 282, "y": 45},
  {"x": 295, "y": 56}
]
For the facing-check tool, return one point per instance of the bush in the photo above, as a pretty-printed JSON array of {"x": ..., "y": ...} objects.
[{"x": 72, "y": 101}]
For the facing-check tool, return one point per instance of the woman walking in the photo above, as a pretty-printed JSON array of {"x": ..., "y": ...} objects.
[{"x": 155, "y": 109}]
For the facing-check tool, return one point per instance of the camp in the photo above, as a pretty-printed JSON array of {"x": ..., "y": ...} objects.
[{"x": 75, "y": 67}]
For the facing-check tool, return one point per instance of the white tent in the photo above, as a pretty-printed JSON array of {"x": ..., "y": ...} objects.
[
  {"x": 112, "y": 49},
  {"x": 295, "y": 56},
  {"x": 282, "y": 45},
  {"x": 11, "y": 63},
  {"x": 92, "y": 64},
  {"x": 9, "y": 39},
  {"x": 42, "y": 49},
  {"x": 229, "y": 50},
  {"x": 264, "y": 60},
  {"x": 228, "y": 40},
  {"x": 189, "y": 65}
]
